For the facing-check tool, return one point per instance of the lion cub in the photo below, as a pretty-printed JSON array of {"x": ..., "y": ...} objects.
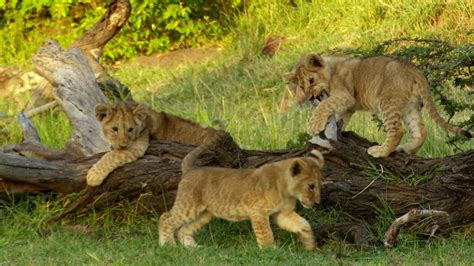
[
  {"x": 240, "y": 194},
  {"x": 128, "y": 126},
  {"x": 393, "y": 88}
]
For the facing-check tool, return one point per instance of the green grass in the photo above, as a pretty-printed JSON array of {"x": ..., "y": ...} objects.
[
  {"x": 124, "y": 237},
  {"x": 243, "y": 89}
]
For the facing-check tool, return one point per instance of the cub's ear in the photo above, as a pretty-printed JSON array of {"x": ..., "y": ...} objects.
[
  {"x": 295, "y": 168},
  {"x": 317, "y": 158},
  {"x": 314, "y": 61},
  {"x": 101, "y": 110},
  {"x": 290, "y": 76},
  {"x": 140, "y": 112}
]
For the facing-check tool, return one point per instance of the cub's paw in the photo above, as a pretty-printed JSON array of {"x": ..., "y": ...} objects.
[
  {"x": 189, "y": 242},
  {"x": 316, "y": 126},
  {"x": 94, "y": 178},
  {"x": 378, "y": 151},
  {"x": 165, "y": 239},
  {"x": 406, "y": 148},
  {"x": 185, "y": 237},
  {"x": 311, "y": 247},
  {"x": 317, "y": 140}
]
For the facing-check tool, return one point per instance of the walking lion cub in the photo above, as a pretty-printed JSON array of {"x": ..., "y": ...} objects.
[
  {"x": 240, "y": 194},
  {"x": 384, "y": 85}
]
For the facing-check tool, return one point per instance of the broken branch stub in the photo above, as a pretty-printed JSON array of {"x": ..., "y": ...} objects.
[
  {"x": 78, "y": 80},
  {"x": 93, "y": 41},
  {"x": 411, "y": 216},
  {"x": 76, "y": 92}
]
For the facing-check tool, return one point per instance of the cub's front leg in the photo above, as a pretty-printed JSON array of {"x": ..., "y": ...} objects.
[
  {"x": 292, "y": 222},
  {"x": 116, "y": 158},
  {"x": 335, "y": 104},
  {"x": 263, "y": 231}
]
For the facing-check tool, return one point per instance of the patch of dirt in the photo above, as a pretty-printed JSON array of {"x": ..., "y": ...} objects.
[{"x": 177, "y": 58}]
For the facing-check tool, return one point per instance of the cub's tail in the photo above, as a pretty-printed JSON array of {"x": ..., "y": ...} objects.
[
  {"x": 188, "y": 161},
  {"x": 424, "y": 92},
  {"x": 317, "y": 157}
]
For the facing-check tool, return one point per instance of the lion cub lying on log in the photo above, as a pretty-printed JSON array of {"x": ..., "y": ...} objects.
[
  {"x": 241, "y": 194},
  {"x": 393, "y": 88},
  {"x": 128, "y": 126}
]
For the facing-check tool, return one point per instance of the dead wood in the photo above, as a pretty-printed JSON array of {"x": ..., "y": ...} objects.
[
  {"x": 93, "y": 41},
  {"x": 412, "y": 216},
  {"x": 77, "y": 79},
  {"x": 151, "y": 182},
  {"x": 76, "y": 91}
]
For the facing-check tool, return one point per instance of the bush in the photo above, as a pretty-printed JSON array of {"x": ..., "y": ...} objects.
[{"x": 153, "y": 26}]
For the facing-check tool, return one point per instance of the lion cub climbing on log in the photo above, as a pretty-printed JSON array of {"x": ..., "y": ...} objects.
[
  {"x": 393, "y": 88},
  {"x": 128, "y": 126},
  {"x": 240, "y": 194}
]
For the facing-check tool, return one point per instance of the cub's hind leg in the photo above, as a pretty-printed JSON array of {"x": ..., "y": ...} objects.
[
  {"x": 185, "y": 233},
  {"x": 166, "y": 234},
  {"x": 393, "y": 127},
  {"x": 294, "y": 223},
  {"x": 183, "y": 212},
  {"x": 414, "y": 123}
]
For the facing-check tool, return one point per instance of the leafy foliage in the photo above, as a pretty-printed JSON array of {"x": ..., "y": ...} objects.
[{"x": 153, "y": 26}]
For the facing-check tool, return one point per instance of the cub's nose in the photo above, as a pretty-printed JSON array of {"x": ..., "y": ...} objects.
[
  {"x": 317, "y": 201},
  {"x": 122, "y": 146}
]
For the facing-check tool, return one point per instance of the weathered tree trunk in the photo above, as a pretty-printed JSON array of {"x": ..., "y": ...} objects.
[
  {"x": 93, "y": 41},
  {"x": 77, "y": 78}
]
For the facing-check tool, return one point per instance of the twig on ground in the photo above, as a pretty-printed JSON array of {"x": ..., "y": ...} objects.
[
  {"x": 411, "y": 216},
  {"x": 370, "y": 184}
]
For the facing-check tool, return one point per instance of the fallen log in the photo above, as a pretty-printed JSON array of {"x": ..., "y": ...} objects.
[{"x": 151, "y": 182}]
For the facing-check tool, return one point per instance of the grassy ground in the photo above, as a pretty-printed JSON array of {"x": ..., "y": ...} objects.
[
  {"x": 242, "y": 89},
  {"x": 123, "y": 237}
]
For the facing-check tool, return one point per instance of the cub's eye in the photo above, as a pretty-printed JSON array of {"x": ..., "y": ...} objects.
[
  {"x": 115, "y": 129},
  {"x": 130, "y": 130},
  {"x": 311, "y": 187},
  {"x": 311, "y": 81}
]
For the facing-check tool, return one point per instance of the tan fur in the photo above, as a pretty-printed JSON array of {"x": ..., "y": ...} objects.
[
  {"x": 393, "y": 88},
  {"x": 129, "y": 126},
  {"x": 240, "y": 194}
]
